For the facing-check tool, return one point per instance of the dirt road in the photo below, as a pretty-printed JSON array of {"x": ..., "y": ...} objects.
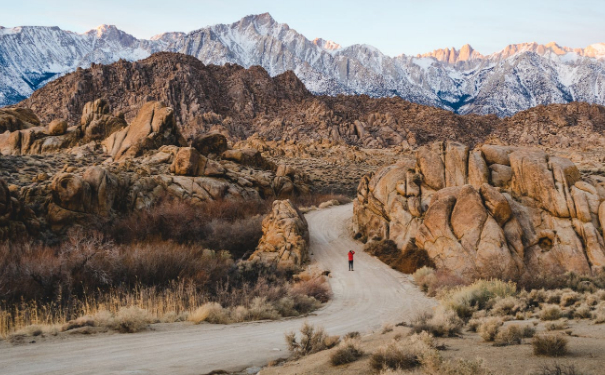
[{"x": 365, "y": 299}]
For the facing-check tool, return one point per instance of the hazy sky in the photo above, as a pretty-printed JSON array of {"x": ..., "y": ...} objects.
[{"x": 395, "y": 27}]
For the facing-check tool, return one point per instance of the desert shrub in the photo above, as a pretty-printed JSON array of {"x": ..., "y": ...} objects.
[
  {"x": 386, "y": 328},
  {"x": 163, "y": 221},
  {"x": 489, "y": 328},
  {"x": 556, "y": 325},
  {"x": 549, "y": 345},
  {"x": 467, "y": 299},
  {"x": 550, "y": 312},
  {"x": 557, "y": 278},
  {"x": 569, "y": 298},
  {"x": 312, "y": 340},
  {"x": 582, "y": 312},
  {"x": 346, "y": 352},
  {"x": 510, "y": 335},
  {"x": 394, "y": 357},
  {"x": 444, "y": 323},
  {"x": 557, "y": 369},
  {"x": 592, "y": 299},
  {"x": 211, "y": 312},
  {"x": 314, "y": 285},
  {"x": 131, "y": 319},
  {"x": 435, "y": 365},
  {"x": 352, "y": 335},
  {"x": 260, "y": 309},
  {"x": 536, "y": 297},
  {"x": 599, "y": 314},
  {"x": 403, "y": 354},
  {"x": 433, "y": 281},
  {"x": 508, "y": 306}
]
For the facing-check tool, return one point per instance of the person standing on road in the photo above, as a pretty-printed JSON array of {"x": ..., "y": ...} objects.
[{"x": 351, "y": 253}]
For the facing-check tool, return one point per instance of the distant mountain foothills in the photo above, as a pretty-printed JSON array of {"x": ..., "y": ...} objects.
[
  {"x": 462, "y": 81},
  {"x": 243, "y": 103}
]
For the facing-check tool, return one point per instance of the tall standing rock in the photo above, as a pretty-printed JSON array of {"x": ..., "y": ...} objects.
[{"x": 285, "y": 241}]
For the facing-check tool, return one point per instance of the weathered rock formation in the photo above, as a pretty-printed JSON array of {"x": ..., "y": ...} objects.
[
  {"x": 285, "y": 241},
  {"x": 148, "y": 162},
  {"x": 153, "y": 127},
  {"x": 497, "y": 211}
]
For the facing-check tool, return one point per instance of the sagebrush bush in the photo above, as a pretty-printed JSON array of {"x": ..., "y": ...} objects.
[
  {"x": 132, "y": 319},
  {"x": 488, "y": 329},
  {"x": 557, "y": 369},
  {"x": 569, "y": 298},
  {"x": 582, "y": 312},
  {"x": 513, "y": 334},
  {"x": 312, "y": 340},
  {"x": 346, "y": 352},
  {"x": 599, "y": 313},
  {"x": 444, "y": 323},
  {"x": 556, "y": 325},
  {"x": 550, "y": 312},
  {"x": 549, "y": 345},
  {"x": 211, "y": 312},
  {"x": 466, "y": 300}
]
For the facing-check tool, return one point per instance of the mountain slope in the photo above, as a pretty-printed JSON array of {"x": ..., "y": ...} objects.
[
  {"x": 464, "y": 81},
  {"x": 240, "y": 102}
]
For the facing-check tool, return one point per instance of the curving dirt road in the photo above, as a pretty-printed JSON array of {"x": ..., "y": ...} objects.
[{"x": 365, "y": 299}]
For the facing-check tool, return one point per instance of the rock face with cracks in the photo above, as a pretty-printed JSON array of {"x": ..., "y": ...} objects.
[
  {"x": 496, "y": 211},
  {"x": 285, "y": 238}
]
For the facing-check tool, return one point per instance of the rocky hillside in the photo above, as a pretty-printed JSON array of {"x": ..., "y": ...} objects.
[
  {"x": 496, "y": 211},
  {"x": 464, "y": 81},
  {"x": 240, "y": 102},
  {"x": 106, "y": 167}
]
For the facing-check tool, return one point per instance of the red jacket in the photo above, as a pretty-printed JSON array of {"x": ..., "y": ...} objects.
[{"x": 351, "y": 254}]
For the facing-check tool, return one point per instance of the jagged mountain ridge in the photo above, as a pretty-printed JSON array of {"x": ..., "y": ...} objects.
[{"x": 463, "y": 81}]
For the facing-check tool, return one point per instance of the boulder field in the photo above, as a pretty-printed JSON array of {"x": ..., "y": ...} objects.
[
  {"x": 115, "y": 168},
  {"x": 494, "y": 211}
]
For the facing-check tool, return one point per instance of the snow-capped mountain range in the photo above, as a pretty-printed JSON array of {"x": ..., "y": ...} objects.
[{"x": 518, "y": 77}]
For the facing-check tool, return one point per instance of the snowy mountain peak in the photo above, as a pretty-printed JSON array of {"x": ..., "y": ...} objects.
[
  {"x": 326, "y": 45},
  {"x": 462, "y": 80}
]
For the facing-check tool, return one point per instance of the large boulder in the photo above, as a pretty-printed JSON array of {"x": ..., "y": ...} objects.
[
  {"x": 534, "y": 213},
  {"x": 17, "y": 119},
  {"x": 97, "y": 122},
  {"x": 285, "y": 241},
  {"x": 57, "y": 127},
  {"x": 153, "y": 127}
]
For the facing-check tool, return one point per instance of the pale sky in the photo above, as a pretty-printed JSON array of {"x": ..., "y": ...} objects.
[{"x": 393, "y": 26}]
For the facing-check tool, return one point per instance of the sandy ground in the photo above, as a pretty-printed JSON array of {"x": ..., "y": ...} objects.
[
  {"x": 363, "y": 301},
  {"x": 586, "y": 353}
]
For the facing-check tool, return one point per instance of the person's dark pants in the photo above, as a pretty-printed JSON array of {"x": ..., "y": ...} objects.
[{"x": 350, "y": 265}]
